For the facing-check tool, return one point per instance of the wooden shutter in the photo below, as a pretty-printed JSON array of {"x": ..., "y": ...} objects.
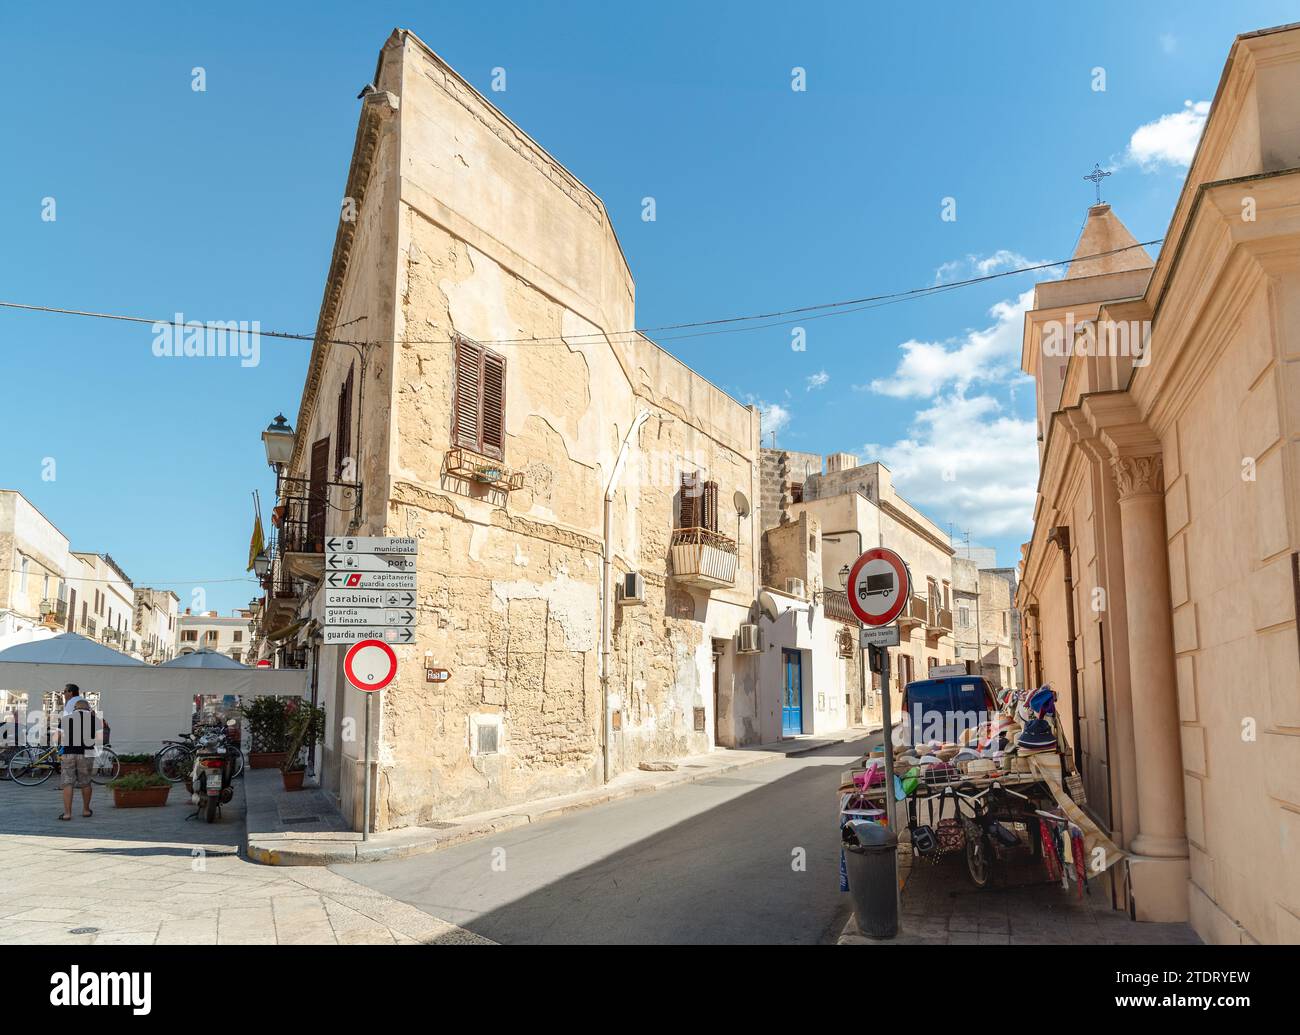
[
  {"x": 710, "y": 500},
  {"x": 317, "y": 495},
  {"x": 494, "y": 406},
  {"x": 466, "y": 398},
  {"x": 691, "y": 509},
  {"x": 343, "y": 435}
]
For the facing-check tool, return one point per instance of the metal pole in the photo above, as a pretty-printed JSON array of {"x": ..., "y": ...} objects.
[
  {"x": 891, "y": 809},
  {"x": 888, "y": 740},
  {"x": 365, "y": 806}
]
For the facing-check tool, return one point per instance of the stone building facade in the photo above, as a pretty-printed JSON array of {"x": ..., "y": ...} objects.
[
  {"x": 1160, "y": 587},
  {"x": 496, "y": 408}
]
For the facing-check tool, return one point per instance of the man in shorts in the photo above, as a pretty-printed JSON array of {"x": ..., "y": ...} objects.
[{"x": 78, "y": 735}]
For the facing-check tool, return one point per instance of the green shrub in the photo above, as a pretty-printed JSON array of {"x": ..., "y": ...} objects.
[
  {"x": 268, "y": 723},
  {"x": 306, "y": 726},
  {"x": 138, "y": 782},
  {"x": 135, "y": 758}
]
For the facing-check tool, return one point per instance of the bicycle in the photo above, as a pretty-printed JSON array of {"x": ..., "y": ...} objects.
[{"x": 31, "y": 766}]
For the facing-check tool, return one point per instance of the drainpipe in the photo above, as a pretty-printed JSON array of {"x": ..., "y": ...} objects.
[
  {"x": 1060, "y": 535},
  {"x": 606, "y": 604}
]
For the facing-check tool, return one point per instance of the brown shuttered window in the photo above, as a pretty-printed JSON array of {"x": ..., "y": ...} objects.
[
  {"x": 343, "y": 436},
  {"x": 478, "y": 420},
  {"x": 710, "y": 500},
  {"x": 692, "y": 510},
  {"x": 494, "y": 406}
]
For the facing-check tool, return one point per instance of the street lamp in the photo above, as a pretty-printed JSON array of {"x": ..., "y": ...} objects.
[
  {"x": 278, "y": 439},
  {"x": 262, "y": 565},
  {"x": 844, "y": 577}
]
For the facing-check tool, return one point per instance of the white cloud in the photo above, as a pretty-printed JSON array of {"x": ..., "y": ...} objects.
[
  {"x": 967, "y": 461},
  {"x": 990, "y": 354},
  {"x": 980, "y": 265},
  {"x": 1170, "y": 139},
  {"x": 818, "y": 380},
  {"x": 772, "y": 417}
]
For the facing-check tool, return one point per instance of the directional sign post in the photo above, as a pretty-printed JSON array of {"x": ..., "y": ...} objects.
[
  {"x": 369, "y": 606},
  {"x": 879, "y": 588}
]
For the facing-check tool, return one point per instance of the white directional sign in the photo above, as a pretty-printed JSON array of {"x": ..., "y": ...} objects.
[
  {"x": 879, "y": 636},
  {"x": 369, "y": 562},
  {"x": 351, "y": 634},
  {"x": 352, "y": 616},
  {"x": 371, "y": 544},
  {"x": 370, "y": 580},
  {"x": 369, "y": 598}
]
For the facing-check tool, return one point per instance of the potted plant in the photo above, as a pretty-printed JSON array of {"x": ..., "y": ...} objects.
[
  {"x": 135, "y": 764},
  {"x": 487, "y": 473},
  {"x": 268, "y": 727},
  {"x": 140, "y": 790},
  {"x": 306, "y": 725}
]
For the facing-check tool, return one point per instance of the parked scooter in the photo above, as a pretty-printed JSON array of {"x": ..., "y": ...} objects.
[{"x": 213, "y": 774}]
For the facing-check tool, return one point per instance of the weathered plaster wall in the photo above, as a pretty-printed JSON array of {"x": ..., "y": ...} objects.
[{"x": 495, "y": 241}]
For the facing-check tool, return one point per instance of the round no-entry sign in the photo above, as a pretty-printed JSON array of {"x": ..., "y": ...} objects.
[
  {"x": 370, "y": 665},
  {"x": 879, "y": 586}
]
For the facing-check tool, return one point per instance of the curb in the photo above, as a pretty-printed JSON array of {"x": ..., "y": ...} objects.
[{"x": 278, "y": 849}]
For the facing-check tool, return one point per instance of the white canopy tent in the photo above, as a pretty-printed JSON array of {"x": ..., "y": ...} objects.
[{"x": 144, "y": 704}]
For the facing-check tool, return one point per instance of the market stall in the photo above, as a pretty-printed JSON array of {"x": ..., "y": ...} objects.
[{"x": 1003, "y": 785}]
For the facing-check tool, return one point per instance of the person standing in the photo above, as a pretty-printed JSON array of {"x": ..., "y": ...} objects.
[
  {"x": 78, "y": 731},
  {"x": 71, "y": 695}
]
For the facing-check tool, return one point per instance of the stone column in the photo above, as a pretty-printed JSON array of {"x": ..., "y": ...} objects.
[{"x": 1159, "y": 874}]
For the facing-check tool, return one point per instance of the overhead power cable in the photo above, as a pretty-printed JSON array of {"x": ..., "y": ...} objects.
[{"x": 698, "y": 328}]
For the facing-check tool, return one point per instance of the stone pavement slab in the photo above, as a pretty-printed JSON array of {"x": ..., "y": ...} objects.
[
  {"x": 276, "y": 840},
  {"x": 1020, "y": 907},
  {"x": 152, "y": 877}
]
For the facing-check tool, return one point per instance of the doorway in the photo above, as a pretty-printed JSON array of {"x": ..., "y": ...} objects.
[{"x": 792, "y": 702}]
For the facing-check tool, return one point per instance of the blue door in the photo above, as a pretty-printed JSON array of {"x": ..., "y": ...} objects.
[{"x": 792, "y": 701}]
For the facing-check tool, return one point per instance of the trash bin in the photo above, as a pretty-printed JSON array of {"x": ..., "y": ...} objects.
[{"x": 871, "y": 854}]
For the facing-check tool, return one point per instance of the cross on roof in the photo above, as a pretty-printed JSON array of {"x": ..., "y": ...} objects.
[{"x": 1096, "y": 176}]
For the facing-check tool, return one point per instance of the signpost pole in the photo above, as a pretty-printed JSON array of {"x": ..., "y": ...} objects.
[
  {"x": 887, "y": 737},
  {"x": 365, "y": 815}
]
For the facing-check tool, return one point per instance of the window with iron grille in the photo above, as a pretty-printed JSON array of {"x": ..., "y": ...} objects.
[{"x": 478, "y": 419}]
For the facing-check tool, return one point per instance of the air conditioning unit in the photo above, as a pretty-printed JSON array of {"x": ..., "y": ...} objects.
[
  {"x": 632, "y": 589},
  {"x": 749, "y": 640},
  {"x": 794, "y": 587}
]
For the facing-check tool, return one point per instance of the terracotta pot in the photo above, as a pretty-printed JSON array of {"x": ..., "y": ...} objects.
[
  {"x": 293, "y": 780},
  {"x": 266, "y": 759},
  {"x": 129, "y": 768},
  {"x": 143, "y": 798}
]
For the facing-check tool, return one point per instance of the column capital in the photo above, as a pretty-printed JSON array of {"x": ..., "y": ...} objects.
[{"x": 1138, "y": 475}]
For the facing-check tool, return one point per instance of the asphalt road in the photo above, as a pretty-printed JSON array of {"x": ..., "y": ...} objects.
[{"x": 747, "y": 857}]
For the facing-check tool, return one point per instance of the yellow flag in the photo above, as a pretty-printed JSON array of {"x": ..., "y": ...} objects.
[{"x": 256, "y": 544}]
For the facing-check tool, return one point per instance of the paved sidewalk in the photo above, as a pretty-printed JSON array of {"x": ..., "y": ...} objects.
[
  {"x": 941, "y": 907},
  {"x": 150, "y": 876},
  {"x": 276, "y": 839}
]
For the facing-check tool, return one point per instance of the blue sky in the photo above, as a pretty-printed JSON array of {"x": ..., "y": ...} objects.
[{"x": 223, "y": 204}]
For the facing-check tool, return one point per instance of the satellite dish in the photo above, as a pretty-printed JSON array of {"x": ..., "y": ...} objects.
[
  {"x": 768, "y": 603},
  {"x": 742, "y": 504}
]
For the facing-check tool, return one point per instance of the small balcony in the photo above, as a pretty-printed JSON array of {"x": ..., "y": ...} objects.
[
  {"x": 300, "y": 519},
  {"x": 703, "y": 557},
  {"x": 88, "y": 627},
  {"x": 915, "y": 614},
  {"x": 54, "y": 612},
  {"x": 938, "y": 623}
]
